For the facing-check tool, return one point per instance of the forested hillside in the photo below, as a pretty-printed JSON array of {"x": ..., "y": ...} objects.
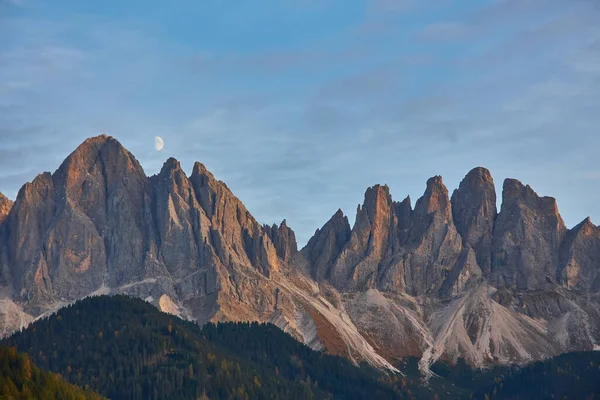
[
  {"x": 126, "y": 349},
  {"x": 21, "y": 379},
  {"x": 568, "y": 376}
]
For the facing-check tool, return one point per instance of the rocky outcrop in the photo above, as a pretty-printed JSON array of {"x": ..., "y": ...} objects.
[
  {"x": 403, "y": 212},
  {"x": 74, "y": 230},
  {"x": 375, "y": 229},
  {"x": 98, "y": 221},
  {"x": 182, "y": 229},
  {"x": 5, "y": 273},
  {"x": 434, "y": 244},
  {"x": 237, "y": 237},
  {"x": 527, "y": 237},
  {"x": 284, "y": 239},
  {"x": 396, "y": 249},
  {"x": 326, "y": 245},
  {"x": 5, "y": 206},
  {"x": 580, "y": 258},
  {"x": 474, "y": 212}
]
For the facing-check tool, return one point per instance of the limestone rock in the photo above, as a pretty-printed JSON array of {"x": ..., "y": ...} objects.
[
  {"x": 374, "y": 229},
  {"x": 5, "y": 206},
  {"x": 474, "y": 212},
  {"x": 182, "y": 227},
  {"x": 434, "y": 245},
  {"x": 580, "y": 258},
  {"x": 284, "y": 240},
  {"x": 403, "y": 212},
  {"x": 72, "y": 231},
  {"x": 527, "y": 237},
  {"x": 326, "y": 244},
  {"x": 239, "y": 237}
]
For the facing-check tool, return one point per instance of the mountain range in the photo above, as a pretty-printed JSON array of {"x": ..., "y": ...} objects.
[{"x": 450, "y": 278}]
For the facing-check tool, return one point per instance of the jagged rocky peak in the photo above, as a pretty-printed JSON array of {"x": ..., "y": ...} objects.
[
  {"x": 238, "y": 237},
  {"x": 580, "y": 257},
  {"x": 181, "y": 225},
  {"x": 284, "y": 239},
  {"x": 85, "y": 220},
  {"x": 5, "y": 206},
  {"x": 172, "y": 174},
  {"x": 41, "y": 185},
  {"x": 200, "y": 170},
  {"x": 209, "y": 191},
  {"x": 326, "y": 244},
  {"x": 474, "y": 212},
  {"x": 433, "y": 247},
  {"x": 102, "y": 157},
  {"x": 374, "y": 230},
  {"x": 515, "y": 192},
  {"x": 377, "y": 201},
  {"x": 172, "y": 164},
  {"x": 435, "y": 199},
  {"x": 403, "y": 212},
  {"x": 527, "y": 236},
  {"x": 375, "y": 218}
]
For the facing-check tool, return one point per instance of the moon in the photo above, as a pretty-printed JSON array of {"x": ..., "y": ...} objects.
[{"x": 158, "y": 143}]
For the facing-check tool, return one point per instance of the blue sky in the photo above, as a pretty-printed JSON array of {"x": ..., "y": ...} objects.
[{"x": 300, "y": 105}]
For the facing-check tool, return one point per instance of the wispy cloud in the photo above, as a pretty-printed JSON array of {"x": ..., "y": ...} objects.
[
  {"x": 443, "y": 31},
  {"x": 300, "y": 122}
]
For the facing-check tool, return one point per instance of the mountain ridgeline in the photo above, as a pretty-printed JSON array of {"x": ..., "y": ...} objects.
[{"x": 451, "y": 277}]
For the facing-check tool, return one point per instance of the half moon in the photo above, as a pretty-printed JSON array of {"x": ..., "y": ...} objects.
[{"x": 158, "y": 143}]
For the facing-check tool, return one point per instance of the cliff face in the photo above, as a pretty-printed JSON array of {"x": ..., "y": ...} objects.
[
  {"x": 73, "y": 230},
  {"x": 326, "y": 245},
  {"x": 284, "y": 240},
  {"x": 450, "y": 278},
  {"x": 474, "y": 212},
  {"x": 579, "y": 266},
  {"x": 99, "y": 222},
  {"x": 396, "y": 249},
  {"x": 526, "y": 241}
]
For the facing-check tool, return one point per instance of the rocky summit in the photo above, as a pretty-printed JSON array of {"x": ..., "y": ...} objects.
[{"x": 450, "y": 278}]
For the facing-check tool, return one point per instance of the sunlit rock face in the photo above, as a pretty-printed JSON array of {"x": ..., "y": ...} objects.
[
  {"x": 449, "y": 278},
  {"x": 284, "y": 240},
  {"x": 5, "y": 206},
  {"x": 580, "y": 258}
]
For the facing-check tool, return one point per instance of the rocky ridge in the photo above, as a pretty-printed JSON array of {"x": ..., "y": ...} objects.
[{"x": 451, "y": 278}]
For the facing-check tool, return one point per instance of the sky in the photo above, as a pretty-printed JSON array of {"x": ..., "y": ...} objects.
[{"x": 300, "y": 105}]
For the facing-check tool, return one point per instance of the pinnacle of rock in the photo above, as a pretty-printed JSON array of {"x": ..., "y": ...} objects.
[
  {"x": 474, "y": 212},
  {"x": 325, "y": 246},
  {"x": 284, "y": 240},
  {"x": 5, "y": 206},
  {"x": 526, "y": 239}
]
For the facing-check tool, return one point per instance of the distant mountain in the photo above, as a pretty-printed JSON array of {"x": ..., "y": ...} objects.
[
  {"x": 21, "y": 379},
  {"x": 451, "y": 278}
]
